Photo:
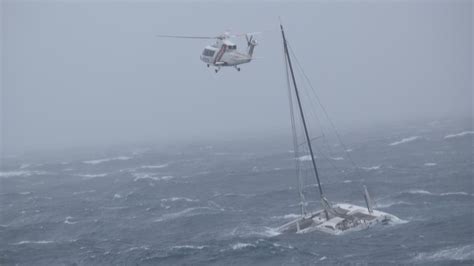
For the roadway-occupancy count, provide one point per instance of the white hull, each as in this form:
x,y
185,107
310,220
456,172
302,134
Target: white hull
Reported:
x,y
343,218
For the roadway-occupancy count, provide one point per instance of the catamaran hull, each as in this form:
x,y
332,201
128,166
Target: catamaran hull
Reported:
x,y
342,218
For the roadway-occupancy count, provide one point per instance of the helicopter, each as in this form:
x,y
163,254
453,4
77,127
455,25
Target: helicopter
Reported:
x,y
223,52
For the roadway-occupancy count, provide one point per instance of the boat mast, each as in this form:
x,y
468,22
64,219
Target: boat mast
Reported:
x,y
308,140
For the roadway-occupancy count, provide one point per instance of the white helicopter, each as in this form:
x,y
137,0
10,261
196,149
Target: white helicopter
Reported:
x,y
223,52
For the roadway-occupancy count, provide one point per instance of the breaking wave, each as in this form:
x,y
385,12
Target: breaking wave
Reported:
x,y
154,166
90,176
430,164
377,167
304,158
453,253
25,242
287,216
188,247
139,176
242,245
184,213
462,134
179,199
119,158
405,140
384,205
20,173
425,192
68,220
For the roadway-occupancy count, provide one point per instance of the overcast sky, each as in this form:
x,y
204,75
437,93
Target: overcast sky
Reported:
x,y
86,73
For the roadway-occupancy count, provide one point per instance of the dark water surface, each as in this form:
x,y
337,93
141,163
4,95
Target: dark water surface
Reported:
x,y
220,203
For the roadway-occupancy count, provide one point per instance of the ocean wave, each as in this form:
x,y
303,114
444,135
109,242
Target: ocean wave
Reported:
x,y
287,216
90,176
241,246
25,242
153,166
425,192
459,253
336,158
184,213
384,205
68,220
405,140
188,247
250,231
429,164
20,173
83,192
98,161
139,176
304,158
462,134
144,247
376,167
179,199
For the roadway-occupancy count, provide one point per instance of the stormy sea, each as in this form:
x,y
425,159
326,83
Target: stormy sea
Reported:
x,y
218,203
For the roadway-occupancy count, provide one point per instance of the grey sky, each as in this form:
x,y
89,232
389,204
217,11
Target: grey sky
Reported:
x,y
85,73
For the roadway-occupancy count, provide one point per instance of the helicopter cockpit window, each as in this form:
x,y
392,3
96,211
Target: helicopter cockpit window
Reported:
x,y
232,47
208,52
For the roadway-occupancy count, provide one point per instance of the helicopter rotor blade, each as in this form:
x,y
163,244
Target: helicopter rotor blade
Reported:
x,y
186,37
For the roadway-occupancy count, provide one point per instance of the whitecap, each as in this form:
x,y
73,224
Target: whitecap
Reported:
x,y
384,205
33,242
68,220
304,158
424,192
139,176
462,134
405,140
376,167
119,158
242,245
188,247
154,166
90,176
117,196
179,199
458,253
430,164
184,213
336,158
347,181
287,216
20,173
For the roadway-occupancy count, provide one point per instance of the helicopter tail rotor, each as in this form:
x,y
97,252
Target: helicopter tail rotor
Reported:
x,y
251,43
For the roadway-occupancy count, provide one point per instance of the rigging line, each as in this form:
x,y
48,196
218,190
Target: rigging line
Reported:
x,y
324,109
314,112
295,142
323,135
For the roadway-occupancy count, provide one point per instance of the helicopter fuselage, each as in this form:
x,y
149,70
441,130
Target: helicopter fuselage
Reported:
x,y
225,53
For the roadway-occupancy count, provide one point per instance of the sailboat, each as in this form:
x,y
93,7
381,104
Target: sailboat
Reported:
x,y
332,218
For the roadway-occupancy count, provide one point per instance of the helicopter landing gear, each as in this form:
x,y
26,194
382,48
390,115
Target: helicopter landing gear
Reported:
x,y
238,68
207,65
217,69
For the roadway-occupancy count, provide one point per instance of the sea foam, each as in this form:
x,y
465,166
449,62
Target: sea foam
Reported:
x,y
405,140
